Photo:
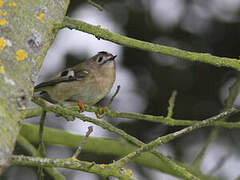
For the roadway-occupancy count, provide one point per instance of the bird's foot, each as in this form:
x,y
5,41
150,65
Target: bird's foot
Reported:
x,y
81,106
101,112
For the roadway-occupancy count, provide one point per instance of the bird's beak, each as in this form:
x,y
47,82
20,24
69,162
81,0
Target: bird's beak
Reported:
x,y
112,58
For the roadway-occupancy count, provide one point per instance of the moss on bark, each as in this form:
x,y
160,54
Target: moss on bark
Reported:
x,y
27,31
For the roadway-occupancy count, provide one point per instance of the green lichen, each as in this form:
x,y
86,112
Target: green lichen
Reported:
x,y
35,38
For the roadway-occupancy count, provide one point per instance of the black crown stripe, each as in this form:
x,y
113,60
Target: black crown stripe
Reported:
x,y
105,52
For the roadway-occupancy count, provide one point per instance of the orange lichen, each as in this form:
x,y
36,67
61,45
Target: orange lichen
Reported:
x,y
102,165
2,71
2,43
21,55
128,171
3,13
1,2
12,4
41,16
3,21
75,159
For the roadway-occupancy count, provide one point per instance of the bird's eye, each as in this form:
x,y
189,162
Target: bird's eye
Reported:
x,y
64,73
100,59
70,77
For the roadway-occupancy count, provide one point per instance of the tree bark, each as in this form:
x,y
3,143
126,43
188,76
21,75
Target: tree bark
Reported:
x,y
27,29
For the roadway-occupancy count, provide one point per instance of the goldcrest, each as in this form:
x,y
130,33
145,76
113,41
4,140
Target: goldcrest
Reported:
x,y
88,82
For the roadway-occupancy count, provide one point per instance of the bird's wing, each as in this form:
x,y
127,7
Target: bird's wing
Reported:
x,y
71,74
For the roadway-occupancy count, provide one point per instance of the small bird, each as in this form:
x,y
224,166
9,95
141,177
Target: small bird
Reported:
x,y
87,82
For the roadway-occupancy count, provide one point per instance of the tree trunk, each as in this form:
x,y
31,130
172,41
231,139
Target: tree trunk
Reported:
x,y
26,33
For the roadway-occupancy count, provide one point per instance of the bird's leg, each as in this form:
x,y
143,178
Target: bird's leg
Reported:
x,y
101,113
81,106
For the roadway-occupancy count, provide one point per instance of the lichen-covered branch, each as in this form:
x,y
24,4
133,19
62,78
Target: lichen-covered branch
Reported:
x,y
102,170
168,121
138,116
164,139
31,150
102,33
66,112
26,33
21,55
115,147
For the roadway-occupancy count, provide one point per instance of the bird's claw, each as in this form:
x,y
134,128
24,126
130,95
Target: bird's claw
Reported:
x,y
81,106
101,113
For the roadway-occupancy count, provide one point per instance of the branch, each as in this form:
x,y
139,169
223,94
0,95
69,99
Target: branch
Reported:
x,y
70,164
79,149
41,147
168,121
115,147
171,103
164,139
233,92
22,53
95,5
28,113
181,171
147,46
220,163
25,144
113,96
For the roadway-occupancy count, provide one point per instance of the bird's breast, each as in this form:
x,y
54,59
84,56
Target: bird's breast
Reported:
x,y
105,79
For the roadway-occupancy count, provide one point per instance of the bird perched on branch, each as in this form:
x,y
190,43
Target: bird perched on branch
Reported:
x,y
87,82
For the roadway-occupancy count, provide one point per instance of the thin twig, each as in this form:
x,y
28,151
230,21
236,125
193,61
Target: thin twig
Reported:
x,y
101,111
220,163
164,139
233,92
79,149
99,7
171,103
113,96
41,147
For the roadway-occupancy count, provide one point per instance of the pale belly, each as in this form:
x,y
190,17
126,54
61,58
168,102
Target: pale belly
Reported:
x,y
75,91
89,90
